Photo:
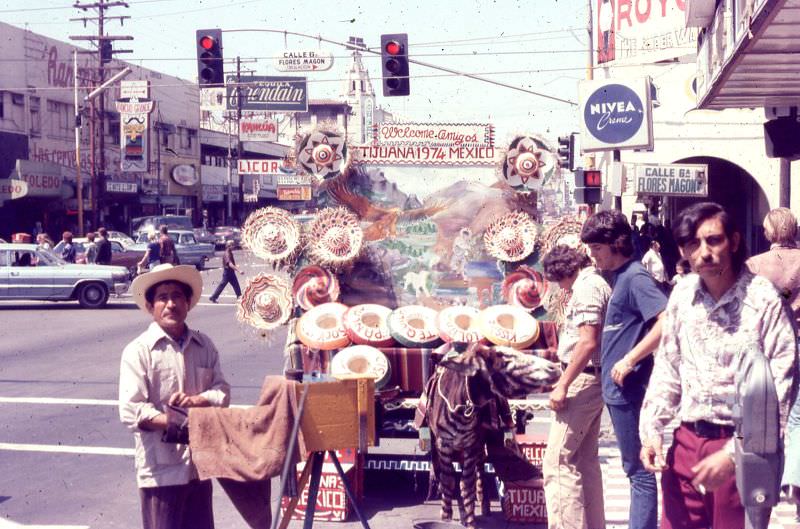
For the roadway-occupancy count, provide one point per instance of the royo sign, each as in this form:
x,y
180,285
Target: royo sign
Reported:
x,y
616,115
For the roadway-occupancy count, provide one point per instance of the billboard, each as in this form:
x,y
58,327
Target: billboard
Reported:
x,y
642,31
271,93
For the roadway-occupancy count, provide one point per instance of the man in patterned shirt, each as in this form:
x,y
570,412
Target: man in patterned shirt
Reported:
x,y
710,316
573,485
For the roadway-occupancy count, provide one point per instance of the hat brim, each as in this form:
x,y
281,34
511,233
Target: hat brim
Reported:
x,y
186,274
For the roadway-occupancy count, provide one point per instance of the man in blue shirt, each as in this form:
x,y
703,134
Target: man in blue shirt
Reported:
x,y
631,332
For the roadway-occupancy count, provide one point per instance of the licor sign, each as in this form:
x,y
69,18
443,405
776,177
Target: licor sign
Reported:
x,y
616,114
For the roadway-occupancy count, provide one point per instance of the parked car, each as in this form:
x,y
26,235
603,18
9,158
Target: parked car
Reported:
x,y
172,222
123,238
29,272
120,256
223,234
189,250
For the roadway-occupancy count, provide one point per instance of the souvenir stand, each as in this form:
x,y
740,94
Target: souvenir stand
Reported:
x,y
386,271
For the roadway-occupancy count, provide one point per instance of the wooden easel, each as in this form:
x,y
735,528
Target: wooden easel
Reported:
x,y
333,416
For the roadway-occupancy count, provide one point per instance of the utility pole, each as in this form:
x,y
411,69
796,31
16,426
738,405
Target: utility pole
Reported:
x,y
105,52
238,136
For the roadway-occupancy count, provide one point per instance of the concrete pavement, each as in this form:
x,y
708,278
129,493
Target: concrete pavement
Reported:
x,y
67,461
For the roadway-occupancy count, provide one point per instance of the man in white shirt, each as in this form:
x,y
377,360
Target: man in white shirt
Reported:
x,y
652,263
163,371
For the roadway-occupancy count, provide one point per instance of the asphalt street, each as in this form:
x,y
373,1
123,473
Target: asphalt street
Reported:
x,y
66,459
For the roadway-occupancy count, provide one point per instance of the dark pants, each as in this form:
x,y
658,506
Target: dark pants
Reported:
x,y
178,506
228,276
684,506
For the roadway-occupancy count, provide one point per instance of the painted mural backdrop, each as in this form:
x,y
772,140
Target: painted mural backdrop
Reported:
x,y
423,230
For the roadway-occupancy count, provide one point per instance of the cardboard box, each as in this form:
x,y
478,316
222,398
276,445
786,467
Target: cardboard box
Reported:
x,y
524,503
339,414
332,504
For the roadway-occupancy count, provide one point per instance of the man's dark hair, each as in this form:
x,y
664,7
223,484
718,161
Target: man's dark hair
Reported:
x,y
609,227
90,236
564,261
163,229
150,293
67,236
690,219
103,232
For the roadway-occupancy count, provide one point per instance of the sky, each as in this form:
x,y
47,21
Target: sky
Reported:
x,y
539,45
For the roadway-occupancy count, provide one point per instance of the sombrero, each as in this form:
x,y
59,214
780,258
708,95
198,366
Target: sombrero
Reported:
x,y
362,360
508,325
524,287
313,286
511,237
366,324
459,324
322,154
271,233
322,327
334,237
166,272
414,326
266,302
566,231
526,164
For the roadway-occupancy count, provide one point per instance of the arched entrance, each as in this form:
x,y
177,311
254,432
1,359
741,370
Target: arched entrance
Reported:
x,y
737,191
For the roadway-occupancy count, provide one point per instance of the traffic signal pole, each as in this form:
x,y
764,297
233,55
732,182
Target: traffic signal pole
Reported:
x,y
414,61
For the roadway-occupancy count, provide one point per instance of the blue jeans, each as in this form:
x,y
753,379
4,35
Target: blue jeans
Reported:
x,y
644,491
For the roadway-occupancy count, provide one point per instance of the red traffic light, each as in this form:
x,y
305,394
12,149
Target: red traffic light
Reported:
x,y
207,42
592,178
393,48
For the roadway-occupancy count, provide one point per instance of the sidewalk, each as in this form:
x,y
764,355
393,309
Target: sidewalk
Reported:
x,y
400,509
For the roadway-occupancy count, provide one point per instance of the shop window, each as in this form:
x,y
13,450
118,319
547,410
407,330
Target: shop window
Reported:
x,y
191,138
18,99
36,117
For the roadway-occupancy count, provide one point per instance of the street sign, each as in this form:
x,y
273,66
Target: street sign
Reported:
x,y
685,180
134,89
303,61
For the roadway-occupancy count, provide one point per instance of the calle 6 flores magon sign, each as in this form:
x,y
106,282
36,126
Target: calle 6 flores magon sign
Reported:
x,y
616,114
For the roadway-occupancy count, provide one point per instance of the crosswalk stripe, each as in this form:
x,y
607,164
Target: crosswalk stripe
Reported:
x,y
68,449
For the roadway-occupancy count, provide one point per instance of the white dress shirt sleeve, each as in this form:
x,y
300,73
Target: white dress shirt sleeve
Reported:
x,y
134,398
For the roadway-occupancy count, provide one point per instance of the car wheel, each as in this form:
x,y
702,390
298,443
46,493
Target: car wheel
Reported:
x,y
132,270
93,295
201,264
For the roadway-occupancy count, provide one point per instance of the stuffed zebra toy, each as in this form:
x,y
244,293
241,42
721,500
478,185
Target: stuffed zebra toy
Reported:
x,y
463,387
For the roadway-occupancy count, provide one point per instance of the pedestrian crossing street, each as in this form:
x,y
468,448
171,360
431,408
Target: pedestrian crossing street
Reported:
x,y
617,495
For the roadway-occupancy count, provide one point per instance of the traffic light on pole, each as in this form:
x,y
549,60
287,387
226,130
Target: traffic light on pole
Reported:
x,y
588,186
394,61
210,68
566,151
106,51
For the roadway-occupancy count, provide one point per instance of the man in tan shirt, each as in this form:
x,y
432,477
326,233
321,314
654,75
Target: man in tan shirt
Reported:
x,y
163,371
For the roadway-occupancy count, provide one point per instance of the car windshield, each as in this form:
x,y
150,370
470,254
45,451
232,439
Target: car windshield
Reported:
x,y
174,222
47,257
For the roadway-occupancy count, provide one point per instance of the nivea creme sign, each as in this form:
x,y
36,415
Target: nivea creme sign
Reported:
x,y
616,115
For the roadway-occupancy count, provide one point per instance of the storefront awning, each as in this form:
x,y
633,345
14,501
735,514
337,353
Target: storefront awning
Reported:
x,y
749,58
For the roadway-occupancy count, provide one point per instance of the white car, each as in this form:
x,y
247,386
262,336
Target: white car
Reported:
x,y
30,272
